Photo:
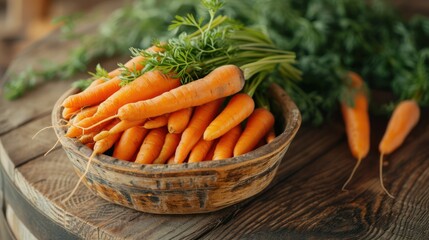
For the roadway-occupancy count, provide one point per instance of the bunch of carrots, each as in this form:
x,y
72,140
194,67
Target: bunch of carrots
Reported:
x,y
356,117
155,119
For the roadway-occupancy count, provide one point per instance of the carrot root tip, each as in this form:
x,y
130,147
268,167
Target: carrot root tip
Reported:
x,y
52,148
351,175
381,177
80,179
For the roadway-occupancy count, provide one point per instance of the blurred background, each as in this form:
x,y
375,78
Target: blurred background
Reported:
x,y
24,21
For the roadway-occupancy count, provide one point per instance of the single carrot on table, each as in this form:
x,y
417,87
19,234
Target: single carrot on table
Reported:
x,y
356,120
405,116
221,82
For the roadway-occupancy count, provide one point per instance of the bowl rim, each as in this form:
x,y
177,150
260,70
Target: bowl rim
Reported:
x,y
292,121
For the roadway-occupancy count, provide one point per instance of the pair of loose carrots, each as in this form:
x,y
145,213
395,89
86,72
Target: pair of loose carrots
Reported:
x,y
357,124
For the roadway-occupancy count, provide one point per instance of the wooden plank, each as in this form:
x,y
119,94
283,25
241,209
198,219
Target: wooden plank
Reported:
x,y
20,231
310,203
20,145
47,180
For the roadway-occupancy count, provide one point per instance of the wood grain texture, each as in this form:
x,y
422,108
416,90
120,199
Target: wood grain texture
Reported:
x,y
310,203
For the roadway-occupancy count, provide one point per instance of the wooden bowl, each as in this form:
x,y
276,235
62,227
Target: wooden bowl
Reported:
x,y
189,187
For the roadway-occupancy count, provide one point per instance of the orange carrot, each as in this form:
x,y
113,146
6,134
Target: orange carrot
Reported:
x,y
87,138
403,120
93,95
171,160
135,62
67,113
209,156
202,117
75,131
147,86
236,111
129,143
356,120
120,127
270,136
221,82
225,147
90,145
258,125
170,145
177,121
156,122
200,150
151,146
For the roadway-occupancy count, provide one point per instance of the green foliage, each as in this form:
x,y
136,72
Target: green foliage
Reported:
x,y
329,37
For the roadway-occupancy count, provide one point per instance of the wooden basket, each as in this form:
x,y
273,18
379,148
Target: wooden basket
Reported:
x,y
183,188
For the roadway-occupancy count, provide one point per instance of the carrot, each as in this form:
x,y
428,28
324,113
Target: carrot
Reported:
x,y
236,111
202,117
75,131
258,125
356,120
147,86
87,138
178,120
90,145
93,95
135,62
210,154
120,127
129,143
221,82
225,147
403,120
67,113
170,145
151,146
200,150
270,136
171,160
156,122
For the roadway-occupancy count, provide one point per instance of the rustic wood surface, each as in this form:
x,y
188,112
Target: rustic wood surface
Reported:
x,y
304,200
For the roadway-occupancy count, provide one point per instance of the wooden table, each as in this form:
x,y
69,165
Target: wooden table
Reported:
x,y
304,201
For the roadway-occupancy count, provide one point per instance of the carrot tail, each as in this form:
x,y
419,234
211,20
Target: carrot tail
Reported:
x,y
81,178
381,176
52,148
352,174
